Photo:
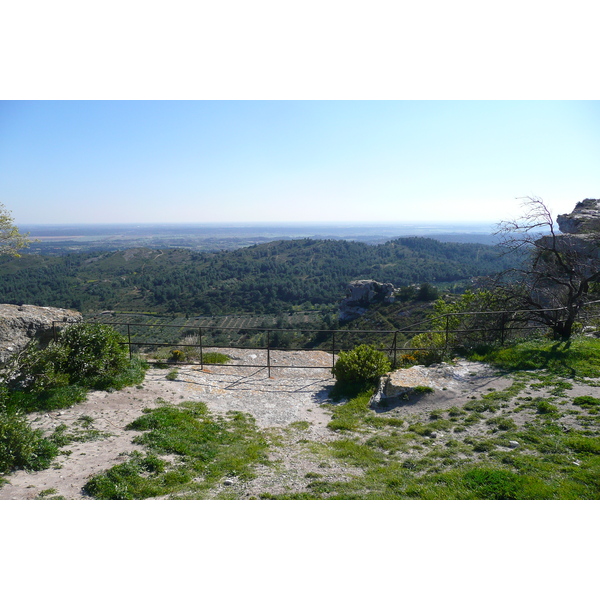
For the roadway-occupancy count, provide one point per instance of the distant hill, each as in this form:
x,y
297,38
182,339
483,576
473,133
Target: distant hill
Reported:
x,y
265,278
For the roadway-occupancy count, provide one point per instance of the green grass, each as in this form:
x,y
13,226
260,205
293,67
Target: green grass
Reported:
x,y
44,401
579,357
169,356
349,416
586,401
203,449
84,432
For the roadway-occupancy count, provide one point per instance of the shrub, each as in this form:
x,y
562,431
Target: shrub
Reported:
x,y
22,447
88,355
92,354
215,358
361,365
432,346
177,356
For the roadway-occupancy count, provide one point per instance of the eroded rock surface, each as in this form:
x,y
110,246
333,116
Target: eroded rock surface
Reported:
x,y
21,324
585,218
445,380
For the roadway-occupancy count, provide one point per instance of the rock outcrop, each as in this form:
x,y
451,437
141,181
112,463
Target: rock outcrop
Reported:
x,y
441,379
584,219
580,231
21,324
360,294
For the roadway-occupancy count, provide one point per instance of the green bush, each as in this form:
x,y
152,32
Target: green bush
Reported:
x,y
22,447
432,348
361,365
177,356
88,355
92,354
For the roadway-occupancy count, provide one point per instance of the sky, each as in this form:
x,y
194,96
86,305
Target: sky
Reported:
x,y
293,161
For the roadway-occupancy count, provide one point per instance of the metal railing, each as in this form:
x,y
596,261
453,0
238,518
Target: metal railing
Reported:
x,y
508,324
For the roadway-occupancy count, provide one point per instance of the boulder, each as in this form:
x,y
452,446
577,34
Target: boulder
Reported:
x,y
360,294
21,324
401,382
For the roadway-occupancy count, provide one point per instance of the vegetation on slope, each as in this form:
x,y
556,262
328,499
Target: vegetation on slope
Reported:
x,y
266,278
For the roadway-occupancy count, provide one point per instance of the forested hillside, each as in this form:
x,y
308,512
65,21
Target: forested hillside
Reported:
x,y
266,278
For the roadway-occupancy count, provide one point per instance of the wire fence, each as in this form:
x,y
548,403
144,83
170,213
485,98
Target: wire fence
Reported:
x,y
196,344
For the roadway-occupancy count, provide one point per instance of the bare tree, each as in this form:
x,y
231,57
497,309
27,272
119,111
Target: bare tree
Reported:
x,y
556,272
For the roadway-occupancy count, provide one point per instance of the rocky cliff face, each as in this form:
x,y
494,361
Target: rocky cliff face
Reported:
x,y
581,234
360,294
21,324
584,219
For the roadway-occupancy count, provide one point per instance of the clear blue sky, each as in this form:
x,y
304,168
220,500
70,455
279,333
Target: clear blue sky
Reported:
x,y
297,161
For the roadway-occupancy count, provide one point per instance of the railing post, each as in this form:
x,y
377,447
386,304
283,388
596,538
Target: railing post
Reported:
x,y
129,340
395,347
201,352
447,331
502,333
269,353
333,349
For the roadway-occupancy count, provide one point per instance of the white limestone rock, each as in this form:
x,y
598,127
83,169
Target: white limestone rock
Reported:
x,y
21,324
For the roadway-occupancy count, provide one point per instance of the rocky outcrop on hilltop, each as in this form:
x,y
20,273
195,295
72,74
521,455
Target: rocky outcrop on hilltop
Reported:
x,y
21,324
360,294
585,218
580,231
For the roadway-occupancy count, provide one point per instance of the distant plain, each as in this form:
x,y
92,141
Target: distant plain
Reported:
x,y
229,236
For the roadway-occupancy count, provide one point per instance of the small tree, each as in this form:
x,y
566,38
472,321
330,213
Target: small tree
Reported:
x,y
557,271
11,240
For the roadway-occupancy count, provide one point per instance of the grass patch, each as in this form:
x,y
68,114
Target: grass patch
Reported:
x,y
350,415
172,375
578,357
586,401
215,358
62,436
207,448
300,425
44,401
